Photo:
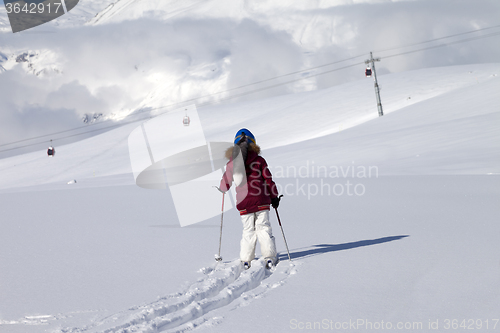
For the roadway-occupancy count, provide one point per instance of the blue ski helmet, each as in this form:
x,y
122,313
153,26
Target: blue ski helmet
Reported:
x,y
244,133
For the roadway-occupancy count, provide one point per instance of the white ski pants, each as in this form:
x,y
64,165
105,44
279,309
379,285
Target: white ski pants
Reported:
x,y
256,226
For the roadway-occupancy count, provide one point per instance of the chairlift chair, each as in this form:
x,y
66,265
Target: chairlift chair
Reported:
x,y
368,72
186,120
51,151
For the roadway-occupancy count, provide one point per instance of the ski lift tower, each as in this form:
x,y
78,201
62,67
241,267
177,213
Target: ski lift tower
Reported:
x,y
377,89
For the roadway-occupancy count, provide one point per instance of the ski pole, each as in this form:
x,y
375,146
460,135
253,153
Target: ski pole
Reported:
x,y
282,232
217,256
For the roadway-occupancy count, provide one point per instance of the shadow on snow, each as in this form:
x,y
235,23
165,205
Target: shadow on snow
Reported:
x,y
325,248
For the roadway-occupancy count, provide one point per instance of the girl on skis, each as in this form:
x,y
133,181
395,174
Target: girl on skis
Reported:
x,y
255,193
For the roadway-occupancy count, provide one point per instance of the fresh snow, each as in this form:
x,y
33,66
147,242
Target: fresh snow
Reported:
x,y
412,242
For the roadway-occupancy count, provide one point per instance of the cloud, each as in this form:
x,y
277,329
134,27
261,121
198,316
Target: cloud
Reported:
x,y
361,28
119,67
76,97
259,53
112,68
25,112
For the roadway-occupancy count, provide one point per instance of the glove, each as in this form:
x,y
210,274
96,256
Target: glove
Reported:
x,y
275,202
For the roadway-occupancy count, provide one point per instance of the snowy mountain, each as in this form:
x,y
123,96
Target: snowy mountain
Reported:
x,y
391,221
306,122
116,58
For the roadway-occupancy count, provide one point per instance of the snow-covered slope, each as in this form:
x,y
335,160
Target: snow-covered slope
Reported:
x,y
392,222
455,132
439,106
413,243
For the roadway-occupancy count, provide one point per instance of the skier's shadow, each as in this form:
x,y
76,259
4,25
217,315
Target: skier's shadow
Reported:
x,y
325,248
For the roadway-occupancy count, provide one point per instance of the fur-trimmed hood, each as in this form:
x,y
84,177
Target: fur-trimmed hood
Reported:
x,y
251,147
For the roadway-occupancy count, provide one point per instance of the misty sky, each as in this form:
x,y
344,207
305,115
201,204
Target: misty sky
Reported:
x,y
121,65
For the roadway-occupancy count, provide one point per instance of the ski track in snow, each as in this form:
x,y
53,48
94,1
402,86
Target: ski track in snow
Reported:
x,y
223,284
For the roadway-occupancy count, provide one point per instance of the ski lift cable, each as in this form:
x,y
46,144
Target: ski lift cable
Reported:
x,y
248,85
442,45
200,105
309,76
436,39
352,58
295,80
68,136
246,93
253,91
50,134
183,102
269,79
139,111
313,75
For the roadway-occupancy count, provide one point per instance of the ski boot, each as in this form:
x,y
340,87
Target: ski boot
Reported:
x,y
270,263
